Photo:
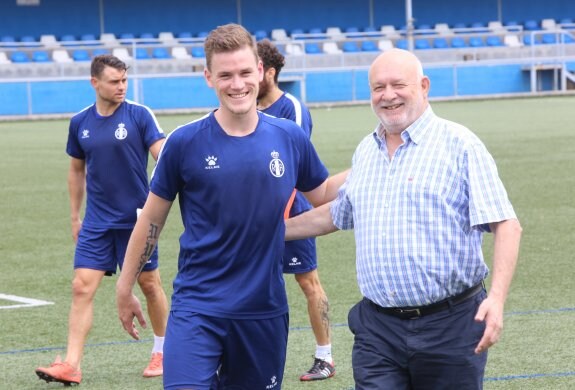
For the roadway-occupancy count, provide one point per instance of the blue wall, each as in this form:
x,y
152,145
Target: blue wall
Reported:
x,y
60,17
65,97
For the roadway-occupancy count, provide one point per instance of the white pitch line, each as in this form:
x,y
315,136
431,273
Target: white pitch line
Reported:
x,y
26,302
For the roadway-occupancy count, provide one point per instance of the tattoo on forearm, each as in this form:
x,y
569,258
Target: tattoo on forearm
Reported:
x,y
151,242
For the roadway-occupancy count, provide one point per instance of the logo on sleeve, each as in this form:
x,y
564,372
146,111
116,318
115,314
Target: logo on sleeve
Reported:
x,y
277,167
121,132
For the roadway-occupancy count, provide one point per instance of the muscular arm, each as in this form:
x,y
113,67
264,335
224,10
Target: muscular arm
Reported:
x,y
142,242
507,235
76,189
316,222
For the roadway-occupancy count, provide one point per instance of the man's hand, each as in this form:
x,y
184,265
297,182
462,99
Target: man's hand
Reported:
x,y
128,308
491,312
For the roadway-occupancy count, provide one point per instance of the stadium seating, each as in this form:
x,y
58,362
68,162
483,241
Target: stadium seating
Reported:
x,y
100,51
389,31
334,33
148,39
548,38
331,48
61,56
202,34
384,44
29,41
279,34
548,24
8,41
294,49
180,53
440,43
476,42
493,40
68,40
80,55
127,38
19,57
40,56
89,40
369,46
442,29
108,39
296,33
4,59
401,44
122,53
142,53
458,42
160,53
260,34
350,47
185,37
49,41
512,40
421,44
312,48
198,52
531,25
167,38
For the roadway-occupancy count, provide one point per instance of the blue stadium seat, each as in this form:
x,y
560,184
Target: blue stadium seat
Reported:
x,y
422,44
8,41
369,46
296,31
160,53
531,25
81,55
89,40
312,48
40,56
478,27
68,40
440,43
142,54
127,38
202,34
458,42
423,29
350,47
198,52
527,40
512,25
184,37
260,34
370,32
352,30
148,39
317,33
97,52
459,25
548,38
29,41
401,44
476,42
493,40
567,38
19,57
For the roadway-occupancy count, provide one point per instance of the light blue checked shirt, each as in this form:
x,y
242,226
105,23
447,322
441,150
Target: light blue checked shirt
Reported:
x,y
420,216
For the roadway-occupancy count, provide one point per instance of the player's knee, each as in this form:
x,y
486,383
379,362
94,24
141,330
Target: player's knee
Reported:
x,y
310,284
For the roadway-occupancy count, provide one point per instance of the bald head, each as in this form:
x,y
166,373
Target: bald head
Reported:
x,y
398,89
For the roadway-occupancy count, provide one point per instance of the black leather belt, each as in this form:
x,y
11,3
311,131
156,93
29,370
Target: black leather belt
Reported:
x,y
413,312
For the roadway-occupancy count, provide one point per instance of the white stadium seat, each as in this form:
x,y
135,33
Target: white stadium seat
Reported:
x,y
122,53
61,56
279,34
331,48
180,53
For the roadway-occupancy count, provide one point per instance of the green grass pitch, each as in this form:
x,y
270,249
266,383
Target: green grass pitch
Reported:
x,y
532,141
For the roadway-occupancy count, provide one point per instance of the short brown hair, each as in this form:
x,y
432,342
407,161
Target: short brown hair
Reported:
x,y
271,57
226,38
101,61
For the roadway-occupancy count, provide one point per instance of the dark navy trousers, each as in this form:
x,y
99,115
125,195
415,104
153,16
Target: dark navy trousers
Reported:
x,y
430,352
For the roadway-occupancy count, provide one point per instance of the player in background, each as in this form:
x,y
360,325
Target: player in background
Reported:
x,y
300,257
108,145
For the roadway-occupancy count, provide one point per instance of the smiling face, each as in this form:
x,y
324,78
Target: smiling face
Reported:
x,y
398,89
235,76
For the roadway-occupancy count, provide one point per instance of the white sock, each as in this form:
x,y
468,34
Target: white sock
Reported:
x,y
323,352
158,344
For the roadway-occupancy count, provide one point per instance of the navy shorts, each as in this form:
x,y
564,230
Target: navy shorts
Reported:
x,y
431,352
104,250
203,352
300,256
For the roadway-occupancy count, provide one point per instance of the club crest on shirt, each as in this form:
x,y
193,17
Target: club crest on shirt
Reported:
x,y
277,167
121,132
85,133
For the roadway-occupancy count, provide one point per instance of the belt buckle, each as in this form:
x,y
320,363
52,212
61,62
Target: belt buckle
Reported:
x,y
410,314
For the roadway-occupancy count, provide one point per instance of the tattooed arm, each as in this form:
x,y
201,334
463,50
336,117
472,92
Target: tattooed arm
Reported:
x,y
142,242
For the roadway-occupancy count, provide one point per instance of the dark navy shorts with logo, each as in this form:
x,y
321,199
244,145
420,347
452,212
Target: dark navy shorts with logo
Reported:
x,y
300,256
